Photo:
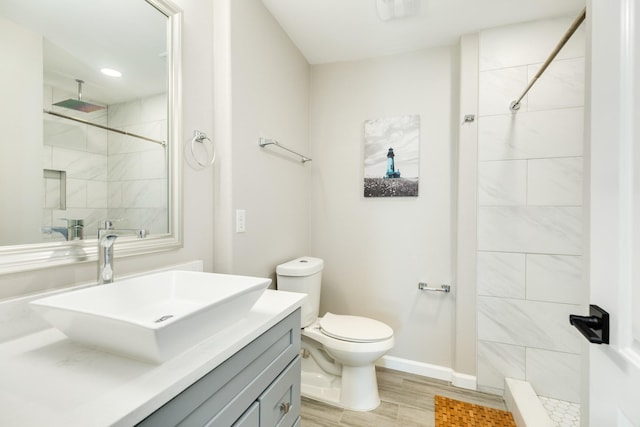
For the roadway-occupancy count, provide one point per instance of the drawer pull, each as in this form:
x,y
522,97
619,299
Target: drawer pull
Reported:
x,y
285,407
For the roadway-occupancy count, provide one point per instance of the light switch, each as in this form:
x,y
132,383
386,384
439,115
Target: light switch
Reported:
x,y
241,220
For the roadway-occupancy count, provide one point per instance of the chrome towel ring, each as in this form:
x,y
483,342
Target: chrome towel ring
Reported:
x,y
200,138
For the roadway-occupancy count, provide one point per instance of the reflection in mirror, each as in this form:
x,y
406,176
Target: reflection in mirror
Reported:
x,y
78,145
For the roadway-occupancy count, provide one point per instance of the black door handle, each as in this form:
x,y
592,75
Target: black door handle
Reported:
x,y
595,327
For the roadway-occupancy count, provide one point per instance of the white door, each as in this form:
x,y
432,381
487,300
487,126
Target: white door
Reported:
x,y
614,225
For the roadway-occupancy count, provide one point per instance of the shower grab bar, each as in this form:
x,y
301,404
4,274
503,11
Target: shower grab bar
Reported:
x,y
423,286
263,142
122,132
515,105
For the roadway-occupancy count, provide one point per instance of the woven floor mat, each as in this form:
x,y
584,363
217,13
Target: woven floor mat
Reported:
x,y
454,413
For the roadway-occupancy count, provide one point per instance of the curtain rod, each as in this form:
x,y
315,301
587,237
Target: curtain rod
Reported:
x,y
122,132
515,105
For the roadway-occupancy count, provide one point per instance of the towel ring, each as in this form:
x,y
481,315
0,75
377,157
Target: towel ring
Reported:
x,y
200,137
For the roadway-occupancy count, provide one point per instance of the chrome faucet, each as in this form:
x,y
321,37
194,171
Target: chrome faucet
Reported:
x,y
107,236
73,231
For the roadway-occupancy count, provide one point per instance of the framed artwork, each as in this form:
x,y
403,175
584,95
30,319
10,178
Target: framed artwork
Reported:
x,y
392,156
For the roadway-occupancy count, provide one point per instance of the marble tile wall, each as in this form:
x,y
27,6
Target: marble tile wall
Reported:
x,y
530,209
81,152
108,175
137,187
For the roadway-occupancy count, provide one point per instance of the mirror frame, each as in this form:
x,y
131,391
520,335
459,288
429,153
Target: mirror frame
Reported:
x,y
44,255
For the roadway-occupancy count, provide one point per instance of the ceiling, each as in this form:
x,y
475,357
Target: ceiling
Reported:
x,y
83,36
345,30
80,37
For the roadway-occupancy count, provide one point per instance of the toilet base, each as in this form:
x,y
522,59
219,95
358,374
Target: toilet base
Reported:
x,y
355,390
324,388
360,388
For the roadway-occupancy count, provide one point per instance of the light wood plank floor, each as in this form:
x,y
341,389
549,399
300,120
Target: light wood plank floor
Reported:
x,y
406,401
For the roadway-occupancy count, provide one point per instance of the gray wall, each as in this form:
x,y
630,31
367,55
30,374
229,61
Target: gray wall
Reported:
x,y
376,250
262,90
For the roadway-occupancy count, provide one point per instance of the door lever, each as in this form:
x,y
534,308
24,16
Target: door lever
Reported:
x,y
594,327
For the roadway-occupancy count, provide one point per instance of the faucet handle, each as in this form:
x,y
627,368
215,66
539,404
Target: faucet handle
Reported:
x,y
107,224
73,222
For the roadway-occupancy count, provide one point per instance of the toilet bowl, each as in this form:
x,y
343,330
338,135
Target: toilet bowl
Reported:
x,y
355,354
339,351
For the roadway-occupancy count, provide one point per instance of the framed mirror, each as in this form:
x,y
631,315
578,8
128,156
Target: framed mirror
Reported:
x,y
89,128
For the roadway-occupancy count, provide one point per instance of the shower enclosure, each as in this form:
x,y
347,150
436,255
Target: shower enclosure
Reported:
x,y
529,208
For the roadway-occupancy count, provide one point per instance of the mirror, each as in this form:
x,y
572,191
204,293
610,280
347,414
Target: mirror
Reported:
x,y
79,145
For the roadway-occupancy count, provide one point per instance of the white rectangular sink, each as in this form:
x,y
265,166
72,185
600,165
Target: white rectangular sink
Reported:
x,y
153,317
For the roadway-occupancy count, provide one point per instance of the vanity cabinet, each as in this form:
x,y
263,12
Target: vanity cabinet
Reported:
x,y
257,386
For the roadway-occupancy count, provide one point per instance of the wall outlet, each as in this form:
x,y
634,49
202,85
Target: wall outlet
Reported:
x,y
241,220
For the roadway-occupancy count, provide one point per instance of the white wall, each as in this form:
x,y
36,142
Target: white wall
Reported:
x,y
21,124
529,209
268,96
197,87
376,250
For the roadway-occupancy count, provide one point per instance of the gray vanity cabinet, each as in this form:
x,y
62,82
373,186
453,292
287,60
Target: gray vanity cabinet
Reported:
x,y
259,386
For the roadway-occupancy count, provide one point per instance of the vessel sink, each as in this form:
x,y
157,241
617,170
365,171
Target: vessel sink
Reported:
x,y
153,317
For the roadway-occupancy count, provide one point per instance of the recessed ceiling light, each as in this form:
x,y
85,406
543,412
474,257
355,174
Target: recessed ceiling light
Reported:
x,y
394,9
111,72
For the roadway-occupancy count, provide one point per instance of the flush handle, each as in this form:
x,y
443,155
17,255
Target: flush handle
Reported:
x,y
594,327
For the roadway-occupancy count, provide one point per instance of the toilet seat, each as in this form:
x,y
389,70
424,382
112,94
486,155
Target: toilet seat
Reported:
x,y
354,328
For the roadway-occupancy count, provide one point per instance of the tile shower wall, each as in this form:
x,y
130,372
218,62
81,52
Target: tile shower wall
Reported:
x,y
530,209
137,187
81,152
108,175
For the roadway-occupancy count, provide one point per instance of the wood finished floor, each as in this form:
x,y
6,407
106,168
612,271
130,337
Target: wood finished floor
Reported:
x,y
406,401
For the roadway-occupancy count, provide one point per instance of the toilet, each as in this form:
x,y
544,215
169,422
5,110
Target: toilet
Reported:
x,y
338,351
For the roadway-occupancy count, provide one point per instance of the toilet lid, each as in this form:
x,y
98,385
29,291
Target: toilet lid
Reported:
x,y
354,328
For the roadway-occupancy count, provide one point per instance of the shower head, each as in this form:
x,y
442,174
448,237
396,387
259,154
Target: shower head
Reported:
x,y
79,104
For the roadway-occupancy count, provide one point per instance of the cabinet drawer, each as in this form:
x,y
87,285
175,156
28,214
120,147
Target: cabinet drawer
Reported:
x,y
251,418
280,402
222,396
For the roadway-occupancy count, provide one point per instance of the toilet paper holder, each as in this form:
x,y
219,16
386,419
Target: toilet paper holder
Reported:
x,y
423,286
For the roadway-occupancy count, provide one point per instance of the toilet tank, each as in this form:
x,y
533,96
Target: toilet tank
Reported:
x,y
303,275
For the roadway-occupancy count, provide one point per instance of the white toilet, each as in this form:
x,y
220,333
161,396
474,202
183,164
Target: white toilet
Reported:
x,y
338,351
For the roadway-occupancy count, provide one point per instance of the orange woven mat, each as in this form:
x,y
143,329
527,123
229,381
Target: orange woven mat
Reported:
x,y
454,413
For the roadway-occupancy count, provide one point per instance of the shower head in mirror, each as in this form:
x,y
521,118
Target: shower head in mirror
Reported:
x,y
79,104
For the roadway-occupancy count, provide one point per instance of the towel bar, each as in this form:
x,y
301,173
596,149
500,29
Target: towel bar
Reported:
x,y
263,142
425,287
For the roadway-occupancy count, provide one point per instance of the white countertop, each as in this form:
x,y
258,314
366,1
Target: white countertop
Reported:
x,y
46,379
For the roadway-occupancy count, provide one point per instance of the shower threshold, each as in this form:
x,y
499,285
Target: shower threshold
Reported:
x,y
531,410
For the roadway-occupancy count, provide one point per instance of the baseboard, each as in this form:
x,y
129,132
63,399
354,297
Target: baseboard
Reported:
x,y
428,370
464,381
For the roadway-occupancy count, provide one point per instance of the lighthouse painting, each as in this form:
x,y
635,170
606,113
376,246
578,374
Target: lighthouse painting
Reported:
x,y
391,156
